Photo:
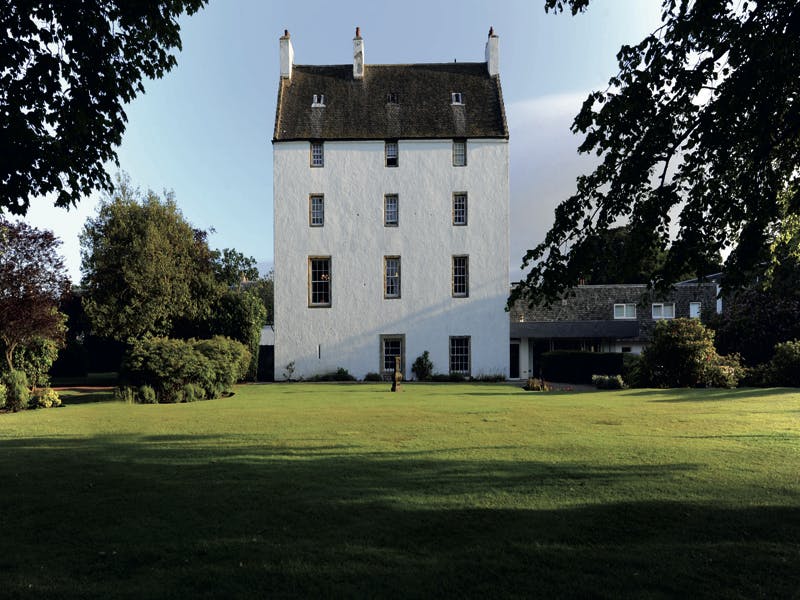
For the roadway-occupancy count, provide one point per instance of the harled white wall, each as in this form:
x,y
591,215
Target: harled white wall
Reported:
x,y
354,181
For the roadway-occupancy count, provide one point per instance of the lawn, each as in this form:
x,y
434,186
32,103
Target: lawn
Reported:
x,y
440,490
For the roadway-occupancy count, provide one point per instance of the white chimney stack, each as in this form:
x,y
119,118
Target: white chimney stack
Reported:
x,y
493,53
358,55
287,56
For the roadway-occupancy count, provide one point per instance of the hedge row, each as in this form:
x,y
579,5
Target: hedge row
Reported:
x,y
578,366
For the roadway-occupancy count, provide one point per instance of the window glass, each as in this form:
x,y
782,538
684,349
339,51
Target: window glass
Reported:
x,y
317,154
460,209
391,154
391,287
459,153
460,355
391,210
460,276
317,211
319,281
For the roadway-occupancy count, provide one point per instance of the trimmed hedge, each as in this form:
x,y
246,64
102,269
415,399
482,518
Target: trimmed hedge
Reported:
x,y
578,366
168,366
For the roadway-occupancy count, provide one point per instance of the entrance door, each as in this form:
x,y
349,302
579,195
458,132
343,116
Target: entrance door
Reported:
x,y
513,361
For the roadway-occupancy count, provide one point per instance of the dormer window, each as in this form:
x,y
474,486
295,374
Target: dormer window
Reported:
x,y
391,98
456,98
318,101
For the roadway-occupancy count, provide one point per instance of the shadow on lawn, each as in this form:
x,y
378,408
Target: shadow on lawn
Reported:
x,y
677,395
176,516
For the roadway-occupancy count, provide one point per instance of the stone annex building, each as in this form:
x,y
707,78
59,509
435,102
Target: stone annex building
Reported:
x,y
391,210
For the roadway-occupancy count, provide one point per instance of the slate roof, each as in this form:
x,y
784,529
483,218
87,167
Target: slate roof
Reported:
x,y
576,329
358,109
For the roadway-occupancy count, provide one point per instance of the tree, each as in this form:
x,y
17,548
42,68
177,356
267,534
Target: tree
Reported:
x,y
701,129
232,268
32,282
264,288
65,72
144,267
240,315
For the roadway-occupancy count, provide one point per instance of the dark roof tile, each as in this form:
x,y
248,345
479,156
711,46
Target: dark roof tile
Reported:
x,y
358,109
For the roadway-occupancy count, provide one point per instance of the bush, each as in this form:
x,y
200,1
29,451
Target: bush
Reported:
x,y
724,371
578,366
785,364
125,394
35,359
17,392
168,365
757,376
193,393
45,398
632,370
3,394
339,374
422,367
147,395
682,354
608,382
535,384
373,377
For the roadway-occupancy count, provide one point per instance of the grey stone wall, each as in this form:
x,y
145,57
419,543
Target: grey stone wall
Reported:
x,y
596,303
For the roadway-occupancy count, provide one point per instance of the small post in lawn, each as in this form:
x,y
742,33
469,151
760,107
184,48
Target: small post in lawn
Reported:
x,y
397,375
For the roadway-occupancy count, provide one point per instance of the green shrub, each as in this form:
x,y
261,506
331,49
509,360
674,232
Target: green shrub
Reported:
x,y
578,366
724,371
168,365
785,364
757,376
45,398
632,370
339,374
192,393
373,377
682,354
147,395
229,361
3,394
125,394
422,367
35,359
17,392
451,377
608,382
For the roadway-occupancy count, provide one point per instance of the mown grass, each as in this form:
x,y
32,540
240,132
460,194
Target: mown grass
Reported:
x,y
441,490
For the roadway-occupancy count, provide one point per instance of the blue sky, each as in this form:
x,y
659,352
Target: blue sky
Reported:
x,y
205,130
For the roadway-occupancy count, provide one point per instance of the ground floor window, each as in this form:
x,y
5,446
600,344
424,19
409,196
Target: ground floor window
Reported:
x,y
392,346
460,355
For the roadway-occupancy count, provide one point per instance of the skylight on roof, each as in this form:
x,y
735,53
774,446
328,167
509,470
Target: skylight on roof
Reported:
x,y
391,98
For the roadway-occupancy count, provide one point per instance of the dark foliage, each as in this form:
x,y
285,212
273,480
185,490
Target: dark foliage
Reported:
x,y
66,71
753,321
702,120
33,281
578,366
